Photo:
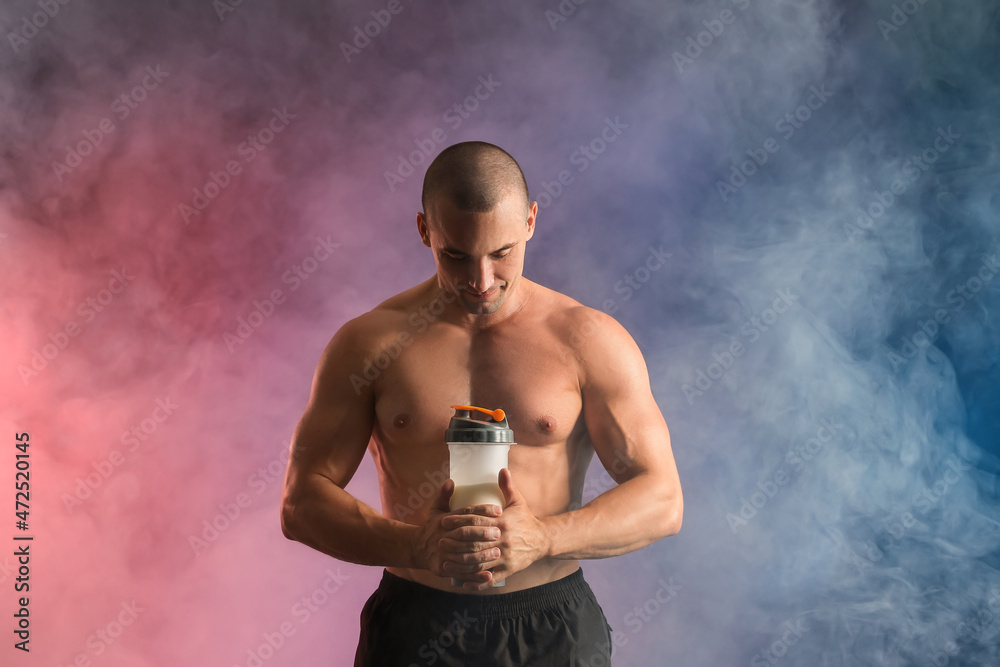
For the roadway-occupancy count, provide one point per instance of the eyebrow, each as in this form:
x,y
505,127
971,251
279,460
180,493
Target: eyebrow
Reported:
x,y
456,251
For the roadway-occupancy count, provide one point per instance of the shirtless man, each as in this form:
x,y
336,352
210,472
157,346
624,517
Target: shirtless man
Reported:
x,y
571,381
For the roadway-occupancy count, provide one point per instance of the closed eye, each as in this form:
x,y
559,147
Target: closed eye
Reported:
x,y
461,258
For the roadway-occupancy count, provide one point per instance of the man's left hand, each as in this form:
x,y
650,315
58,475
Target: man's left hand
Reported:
x,y
522,541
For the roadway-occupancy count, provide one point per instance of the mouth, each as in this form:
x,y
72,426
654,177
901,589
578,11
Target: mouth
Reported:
x,y
481,297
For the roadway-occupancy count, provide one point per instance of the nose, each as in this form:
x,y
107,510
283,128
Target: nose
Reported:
x,y
482,279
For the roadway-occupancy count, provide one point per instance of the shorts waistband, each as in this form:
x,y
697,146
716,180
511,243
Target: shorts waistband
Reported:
x,y
570,588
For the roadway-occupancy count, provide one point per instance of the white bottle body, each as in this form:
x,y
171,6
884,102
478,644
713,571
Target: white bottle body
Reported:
x,y
474,468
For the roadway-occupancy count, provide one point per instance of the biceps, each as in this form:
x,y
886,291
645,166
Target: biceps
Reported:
x,y
625,424
333,434
629,434
330,440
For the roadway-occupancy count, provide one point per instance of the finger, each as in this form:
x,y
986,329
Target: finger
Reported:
x,y
456,521
483,510
462,547
505,480
468,570
482,584
472,562
474,577
470,534
443,501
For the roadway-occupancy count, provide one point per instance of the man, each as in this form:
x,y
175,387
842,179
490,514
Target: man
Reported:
x,y
571,381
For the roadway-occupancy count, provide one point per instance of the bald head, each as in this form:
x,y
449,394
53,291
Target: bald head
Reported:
x,y
475,176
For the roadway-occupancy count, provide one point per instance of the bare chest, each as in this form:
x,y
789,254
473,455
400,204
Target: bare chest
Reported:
x,y
523,371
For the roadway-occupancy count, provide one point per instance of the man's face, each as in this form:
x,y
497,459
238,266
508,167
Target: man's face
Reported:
x,y
479,256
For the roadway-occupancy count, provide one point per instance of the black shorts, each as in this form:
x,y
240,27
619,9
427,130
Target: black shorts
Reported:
x,y
559,624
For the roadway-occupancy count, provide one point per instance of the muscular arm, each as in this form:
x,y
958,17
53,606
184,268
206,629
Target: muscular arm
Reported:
x,y
631,440
327,448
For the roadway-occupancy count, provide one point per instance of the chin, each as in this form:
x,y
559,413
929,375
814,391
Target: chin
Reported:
x,y
484,308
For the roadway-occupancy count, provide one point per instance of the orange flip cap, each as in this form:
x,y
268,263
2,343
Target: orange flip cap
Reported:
x,y
497,414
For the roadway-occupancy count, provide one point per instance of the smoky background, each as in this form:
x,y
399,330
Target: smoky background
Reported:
x,y
163,399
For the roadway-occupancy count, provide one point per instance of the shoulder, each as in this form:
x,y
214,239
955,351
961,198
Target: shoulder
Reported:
x,y
365,335
592,337
569,317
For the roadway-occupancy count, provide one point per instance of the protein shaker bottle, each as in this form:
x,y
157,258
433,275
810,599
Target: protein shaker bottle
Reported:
x,y
477,451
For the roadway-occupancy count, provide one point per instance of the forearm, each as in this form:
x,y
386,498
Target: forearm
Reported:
x,y
329,519
629,516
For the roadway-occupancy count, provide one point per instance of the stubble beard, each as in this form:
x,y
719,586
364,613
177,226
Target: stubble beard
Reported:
x,y
488,307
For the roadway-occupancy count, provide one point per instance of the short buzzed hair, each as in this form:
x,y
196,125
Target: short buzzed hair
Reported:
x,y
475,176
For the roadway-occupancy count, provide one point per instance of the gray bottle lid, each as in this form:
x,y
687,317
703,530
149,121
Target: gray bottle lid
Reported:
x,y
463,428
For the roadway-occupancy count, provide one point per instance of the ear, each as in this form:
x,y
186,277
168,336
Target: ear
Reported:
x,y
532,213
422,228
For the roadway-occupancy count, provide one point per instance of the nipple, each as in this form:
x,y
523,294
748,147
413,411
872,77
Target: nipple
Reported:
x,y
547,424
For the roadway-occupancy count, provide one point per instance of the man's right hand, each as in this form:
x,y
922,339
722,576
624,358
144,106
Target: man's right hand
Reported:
x,y
466,551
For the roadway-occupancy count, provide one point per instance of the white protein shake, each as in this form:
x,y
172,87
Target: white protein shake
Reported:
x,y
477,451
